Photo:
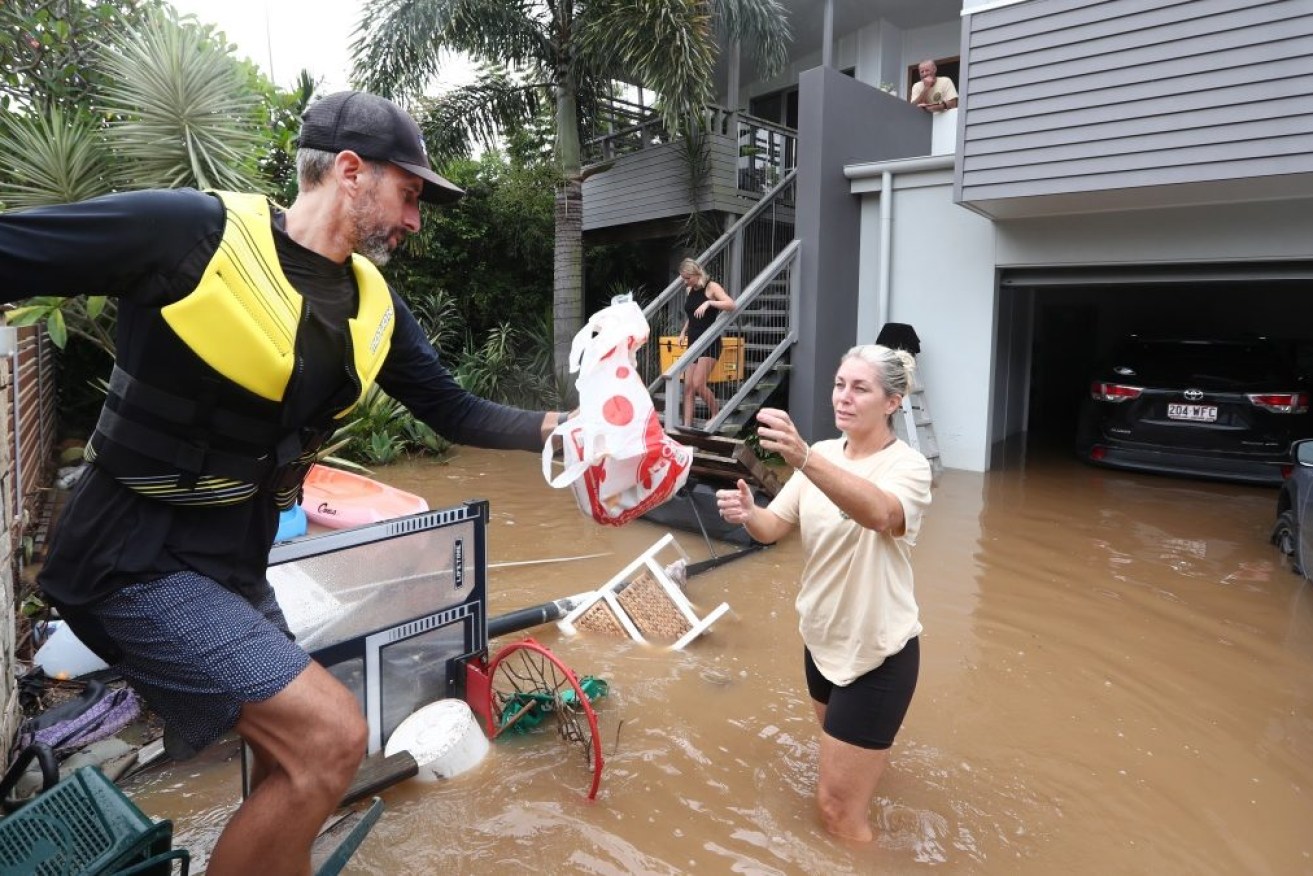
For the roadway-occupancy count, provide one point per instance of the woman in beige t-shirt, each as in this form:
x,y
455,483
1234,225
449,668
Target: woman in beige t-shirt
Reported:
x,y
858,500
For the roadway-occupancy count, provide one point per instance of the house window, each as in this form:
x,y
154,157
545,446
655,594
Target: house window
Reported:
x,y
945,67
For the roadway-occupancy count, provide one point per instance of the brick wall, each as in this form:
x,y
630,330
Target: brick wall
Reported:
x,y
27,437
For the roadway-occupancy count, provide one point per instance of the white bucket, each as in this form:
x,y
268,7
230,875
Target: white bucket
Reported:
x,y
443,737
64,656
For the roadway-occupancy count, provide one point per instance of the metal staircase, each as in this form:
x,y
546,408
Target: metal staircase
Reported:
x,y
756,261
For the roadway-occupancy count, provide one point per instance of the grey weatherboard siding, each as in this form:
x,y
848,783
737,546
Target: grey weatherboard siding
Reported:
x,y
1084,104
653,184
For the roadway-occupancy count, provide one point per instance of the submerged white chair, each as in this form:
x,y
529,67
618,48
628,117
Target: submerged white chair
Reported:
x,y
643,603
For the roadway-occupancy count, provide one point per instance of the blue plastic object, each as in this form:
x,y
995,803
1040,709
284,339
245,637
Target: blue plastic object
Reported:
x,y
291,524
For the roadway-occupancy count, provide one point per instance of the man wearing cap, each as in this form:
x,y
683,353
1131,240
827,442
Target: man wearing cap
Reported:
x,y
246,334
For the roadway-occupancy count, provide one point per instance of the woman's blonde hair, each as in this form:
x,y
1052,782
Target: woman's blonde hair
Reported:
x,y
690,266
894,368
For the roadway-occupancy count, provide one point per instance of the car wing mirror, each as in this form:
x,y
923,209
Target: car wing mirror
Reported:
x,y
1304,452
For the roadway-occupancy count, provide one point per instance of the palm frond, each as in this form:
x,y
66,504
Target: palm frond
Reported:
x,y
53,158
399,44
668,45
183,115
476,113
761,27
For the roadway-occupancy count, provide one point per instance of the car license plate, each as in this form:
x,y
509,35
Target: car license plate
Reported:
x,y
1194,413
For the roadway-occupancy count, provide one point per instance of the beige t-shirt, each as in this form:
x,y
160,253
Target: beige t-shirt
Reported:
x,y
855,603
943,90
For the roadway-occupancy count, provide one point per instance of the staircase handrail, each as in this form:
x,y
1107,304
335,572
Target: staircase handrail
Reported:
x,y
719,244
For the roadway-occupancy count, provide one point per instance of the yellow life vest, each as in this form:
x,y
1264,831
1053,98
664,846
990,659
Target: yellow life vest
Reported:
x,y
244,290
163,436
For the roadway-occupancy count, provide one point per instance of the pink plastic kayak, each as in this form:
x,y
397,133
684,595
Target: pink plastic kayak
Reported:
x,y
339,499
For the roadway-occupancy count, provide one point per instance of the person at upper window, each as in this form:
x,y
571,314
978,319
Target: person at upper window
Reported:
x,y
933,93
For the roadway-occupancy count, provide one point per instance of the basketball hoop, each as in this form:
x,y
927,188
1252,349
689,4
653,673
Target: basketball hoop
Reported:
x,y
528,685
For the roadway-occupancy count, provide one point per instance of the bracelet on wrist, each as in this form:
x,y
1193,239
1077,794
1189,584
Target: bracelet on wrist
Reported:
x,y
806,458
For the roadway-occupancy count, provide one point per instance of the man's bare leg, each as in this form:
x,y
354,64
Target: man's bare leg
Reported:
x,y
308,741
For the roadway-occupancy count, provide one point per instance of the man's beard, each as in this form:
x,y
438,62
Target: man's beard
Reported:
x,y
372,237
373,245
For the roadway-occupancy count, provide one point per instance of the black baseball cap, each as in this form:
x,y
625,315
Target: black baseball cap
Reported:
x,y
373,127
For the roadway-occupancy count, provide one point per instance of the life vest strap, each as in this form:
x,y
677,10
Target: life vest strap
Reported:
x,y
191,412
189,459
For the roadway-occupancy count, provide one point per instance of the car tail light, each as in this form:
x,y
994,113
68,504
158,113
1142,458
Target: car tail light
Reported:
x,y
1287,471
1098,452
1280,402
1114,392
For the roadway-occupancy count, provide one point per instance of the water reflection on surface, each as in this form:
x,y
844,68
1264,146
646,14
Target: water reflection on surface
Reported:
x,y
1115,678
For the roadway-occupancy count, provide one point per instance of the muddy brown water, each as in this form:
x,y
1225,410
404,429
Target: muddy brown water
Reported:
x,y
1117,677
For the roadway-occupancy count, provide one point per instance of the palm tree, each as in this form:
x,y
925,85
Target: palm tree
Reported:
x,y
562,54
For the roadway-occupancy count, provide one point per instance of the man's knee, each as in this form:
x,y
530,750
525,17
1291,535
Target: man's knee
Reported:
x,y
312,727
339,734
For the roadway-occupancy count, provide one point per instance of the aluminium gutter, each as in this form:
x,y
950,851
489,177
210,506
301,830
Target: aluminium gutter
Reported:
x,y
877,169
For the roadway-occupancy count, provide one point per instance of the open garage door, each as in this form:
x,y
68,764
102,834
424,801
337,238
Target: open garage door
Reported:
x,y
1056,323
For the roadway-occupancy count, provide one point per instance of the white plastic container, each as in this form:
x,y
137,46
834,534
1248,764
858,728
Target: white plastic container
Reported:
x,y
443,737
64,656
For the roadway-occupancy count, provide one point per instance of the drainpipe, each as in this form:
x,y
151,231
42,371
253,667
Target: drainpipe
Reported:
x,y
886,170
886,246
827,47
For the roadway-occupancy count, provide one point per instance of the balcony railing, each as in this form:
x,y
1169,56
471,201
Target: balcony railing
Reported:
x,y
767,150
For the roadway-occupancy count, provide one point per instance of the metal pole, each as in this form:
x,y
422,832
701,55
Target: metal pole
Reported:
x,y
827,47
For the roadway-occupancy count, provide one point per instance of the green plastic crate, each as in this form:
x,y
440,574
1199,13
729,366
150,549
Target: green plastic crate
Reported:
x,y
85,825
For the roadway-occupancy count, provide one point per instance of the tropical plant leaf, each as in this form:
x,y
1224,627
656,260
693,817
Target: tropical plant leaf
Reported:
x,y
55,158
57,328
476,113
28,315
400,45
182,112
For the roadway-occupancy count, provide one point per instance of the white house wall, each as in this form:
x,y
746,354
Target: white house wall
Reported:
x,y
942,284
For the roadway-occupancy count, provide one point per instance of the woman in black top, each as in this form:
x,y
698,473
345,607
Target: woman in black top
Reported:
x,y
706,298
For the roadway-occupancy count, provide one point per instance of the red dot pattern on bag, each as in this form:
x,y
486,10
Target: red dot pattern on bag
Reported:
x,y
618,410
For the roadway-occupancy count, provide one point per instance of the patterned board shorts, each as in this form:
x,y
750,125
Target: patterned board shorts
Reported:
x,y
196,652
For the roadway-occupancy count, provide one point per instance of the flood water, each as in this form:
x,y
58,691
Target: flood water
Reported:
x,y
1117,677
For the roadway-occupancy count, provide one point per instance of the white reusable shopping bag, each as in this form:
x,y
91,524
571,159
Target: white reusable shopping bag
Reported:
x,y
618,459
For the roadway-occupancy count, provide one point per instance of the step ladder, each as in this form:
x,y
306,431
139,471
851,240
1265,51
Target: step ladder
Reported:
x,y
917,428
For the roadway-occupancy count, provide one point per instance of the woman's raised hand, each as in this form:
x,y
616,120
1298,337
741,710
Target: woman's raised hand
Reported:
x,y
736,505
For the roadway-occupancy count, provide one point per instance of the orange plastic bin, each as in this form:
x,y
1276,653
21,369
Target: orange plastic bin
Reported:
x,y
728,367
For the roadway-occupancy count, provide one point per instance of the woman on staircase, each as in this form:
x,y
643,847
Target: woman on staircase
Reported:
x,y
706,298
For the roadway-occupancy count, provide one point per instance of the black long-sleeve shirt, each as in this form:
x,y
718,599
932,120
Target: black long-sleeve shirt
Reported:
x,y
149,249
